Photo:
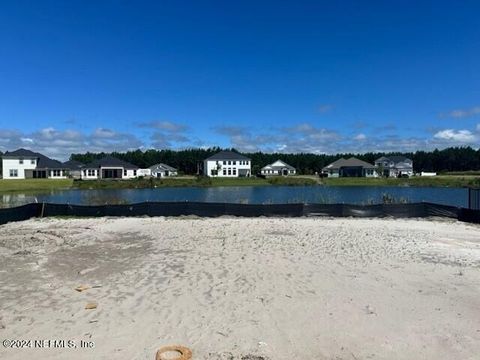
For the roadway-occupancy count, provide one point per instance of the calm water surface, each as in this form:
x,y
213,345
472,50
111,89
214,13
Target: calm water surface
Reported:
x,y
249,195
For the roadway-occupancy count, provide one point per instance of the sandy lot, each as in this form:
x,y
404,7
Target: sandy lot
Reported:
x,y
242,289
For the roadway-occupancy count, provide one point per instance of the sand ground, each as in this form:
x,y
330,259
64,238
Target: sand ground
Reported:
x,y
238,289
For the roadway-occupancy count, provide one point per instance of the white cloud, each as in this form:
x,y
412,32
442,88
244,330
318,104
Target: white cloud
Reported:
x,y
59,144
360,137
102,133
461,113
461,136
168,126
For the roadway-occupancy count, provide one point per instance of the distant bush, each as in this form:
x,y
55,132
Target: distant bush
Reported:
x,y
203,181
291,181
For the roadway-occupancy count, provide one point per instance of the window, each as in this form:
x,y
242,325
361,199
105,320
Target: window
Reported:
x,y
32,161
234,172
234,163
91,172
229,171
229,163
124,172
56,173
134,172
224,162
20,161
213,172
13,173
224,171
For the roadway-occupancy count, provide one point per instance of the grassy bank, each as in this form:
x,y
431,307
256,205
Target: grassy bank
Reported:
x,y
26,185
38,185
434,181
190,182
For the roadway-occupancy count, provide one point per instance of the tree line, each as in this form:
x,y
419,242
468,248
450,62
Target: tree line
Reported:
x,y
187,161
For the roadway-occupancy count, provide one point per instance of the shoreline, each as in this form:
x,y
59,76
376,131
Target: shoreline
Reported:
x,y
44,185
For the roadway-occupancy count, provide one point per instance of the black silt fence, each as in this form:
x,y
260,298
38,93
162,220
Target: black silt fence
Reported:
x,y
416,210
20,213
474,199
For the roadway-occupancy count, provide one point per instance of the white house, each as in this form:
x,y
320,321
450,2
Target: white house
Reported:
x,y
278,168
162,170
351,167
109,167
227,164
26,164
394,166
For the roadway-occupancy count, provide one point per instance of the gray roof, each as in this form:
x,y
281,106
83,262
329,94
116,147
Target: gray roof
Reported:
x,y
21,152
395,158
351,162
162,167
110,161
44,162
227,155
73,165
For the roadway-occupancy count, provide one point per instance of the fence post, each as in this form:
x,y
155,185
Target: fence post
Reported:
x,y
474,198
43,209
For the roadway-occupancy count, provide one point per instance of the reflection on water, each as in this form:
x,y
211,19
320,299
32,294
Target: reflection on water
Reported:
x,y
249,195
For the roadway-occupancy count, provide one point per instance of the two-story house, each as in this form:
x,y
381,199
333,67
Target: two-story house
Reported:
x,y
227,164
26,164
394,166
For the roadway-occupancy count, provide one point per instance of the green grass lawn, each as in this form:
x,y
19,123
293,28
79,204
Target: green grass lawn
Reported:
x,y
25,185
435,181
185,182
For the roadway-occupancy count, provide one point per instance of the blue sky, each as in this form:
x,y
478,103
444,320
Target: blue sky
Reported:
x,y
291,76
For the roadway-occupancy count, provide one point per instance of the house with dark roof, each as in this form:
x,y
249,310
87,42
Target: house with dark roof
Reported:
x,y
278,168
394,166
351,167
74,168
227,164
162,170
26,164
109,167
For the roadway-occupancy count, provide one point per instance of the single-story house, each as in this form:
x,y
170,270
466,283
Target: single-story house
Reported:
x,y
74,168
227,164
109,167
278,168
394,166
162,170
26,164
351,167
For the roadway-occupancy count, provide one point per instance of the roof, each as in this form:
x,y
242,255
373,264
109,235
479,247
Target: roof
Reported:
x,y
47,163
44,162
162,167
278,165
395,158
227,155
351,162
110,161
73,164
21,153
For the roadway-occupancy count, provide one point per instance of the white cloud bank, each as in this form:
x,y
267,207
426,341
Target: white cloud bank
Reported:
x,y
303,137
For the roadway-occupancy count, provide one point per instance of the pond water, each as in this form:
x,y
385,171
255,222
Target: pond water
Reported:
x,y
249,195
